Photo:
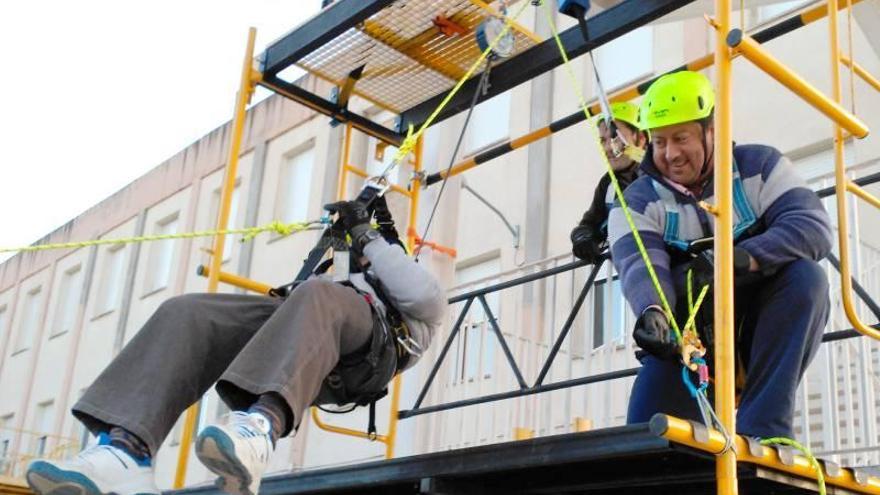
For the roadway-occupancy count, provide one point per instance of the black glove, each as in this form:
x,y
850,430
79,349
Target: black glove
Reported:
x,y
585,244
355,219
653,334
703,267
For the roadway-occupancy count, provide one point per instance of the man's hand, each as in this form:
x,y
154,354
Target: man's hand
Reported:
x,y
585,245
653,334
355,218
703,267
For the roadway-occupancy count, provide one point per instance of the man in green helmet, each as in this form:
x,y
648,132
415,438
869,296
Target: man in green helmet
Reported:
x,y
781,231
623,146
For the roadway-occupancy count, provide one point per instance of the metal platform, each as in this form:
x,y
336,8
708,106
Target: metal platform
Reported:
x,y
395,55
623,460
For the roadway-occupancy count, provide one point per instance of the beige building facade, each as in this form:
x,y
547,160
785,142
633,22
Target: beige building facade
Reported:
x,y
65,314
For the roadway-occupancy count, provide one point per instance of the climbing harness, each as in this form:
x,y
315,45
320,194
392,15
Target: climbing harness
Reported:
x,y
745,214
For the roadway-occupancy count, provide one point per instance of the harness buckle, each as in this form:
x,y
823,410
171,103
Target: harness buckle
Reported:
x,y
409,345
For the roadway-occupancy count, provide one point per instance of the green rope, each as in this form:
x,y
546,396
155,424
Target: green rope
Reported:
x,y
617,190
820,476
284,229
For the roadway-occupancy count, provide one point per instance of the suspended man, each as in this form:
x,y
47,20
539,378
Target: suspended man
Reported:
x,y
271,358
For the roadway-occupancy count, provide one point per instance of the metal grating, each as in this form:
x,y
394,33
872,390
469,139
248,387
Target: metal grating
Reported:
x,y
407,59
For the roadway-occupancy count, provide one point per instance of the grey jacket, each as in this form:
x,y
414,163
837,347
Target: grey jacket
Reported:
x,y
409,286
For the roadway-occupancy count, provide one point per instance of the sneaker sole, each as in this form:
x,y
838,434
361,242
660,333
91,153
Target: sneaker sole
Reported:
x,y
46,479
217,452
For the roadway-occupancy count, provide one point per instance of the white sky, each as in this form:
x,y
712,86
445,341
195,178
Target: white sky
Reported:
x,y
94,93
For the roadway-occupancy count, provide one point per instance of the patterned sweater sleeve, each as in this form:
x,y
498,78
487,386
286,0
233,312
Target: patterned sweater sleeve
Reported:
x,y
636,282
796,224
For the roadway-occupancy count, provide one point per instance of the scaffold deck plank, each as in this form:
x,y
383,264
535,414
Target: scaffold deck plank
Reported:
x,y
621,460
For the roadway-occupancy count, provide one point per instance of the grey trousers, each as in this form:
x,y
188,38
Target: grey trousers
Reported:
x,y
248,345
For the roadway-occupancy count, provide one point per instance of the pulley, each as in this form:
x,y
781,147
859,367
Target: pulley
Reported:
x,y
491,28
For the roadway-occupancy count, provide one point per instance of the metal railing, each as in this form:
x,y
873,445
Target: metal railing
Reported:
x,y
445,389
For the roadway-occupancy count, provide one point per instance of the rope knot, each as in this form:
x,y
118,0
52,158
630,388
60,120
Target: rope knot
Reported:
x,y
407,145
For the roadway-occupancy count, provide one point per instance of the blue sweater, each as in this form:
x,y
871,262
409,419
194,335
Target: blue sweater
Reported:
x,y
793,223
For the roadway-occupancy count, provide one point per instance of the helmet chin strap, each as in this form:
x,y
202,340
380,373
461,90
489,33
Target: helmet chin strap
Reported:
x,y
706,156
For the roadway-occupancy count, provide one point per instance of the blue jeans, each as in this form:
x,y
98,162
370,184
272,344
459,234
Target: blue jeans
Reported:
x,y
780,322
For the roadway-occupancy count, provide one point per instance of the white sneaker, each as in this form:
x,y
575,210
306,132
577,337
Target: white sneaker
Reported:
x,y
238,450
97,470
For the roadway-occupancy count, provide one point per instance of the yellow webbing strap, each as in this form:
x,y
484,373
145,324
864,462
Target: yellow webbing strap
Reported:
x,y
284,229
412,137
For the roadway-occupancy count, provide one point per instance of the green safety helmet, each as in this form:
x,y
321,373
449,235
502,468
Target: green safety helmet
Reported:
x,y
675,98
623,111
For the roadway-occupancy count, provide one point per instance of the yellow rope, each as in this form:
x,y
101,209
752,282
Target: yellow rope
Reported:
x,y
617,190
411,137
284,229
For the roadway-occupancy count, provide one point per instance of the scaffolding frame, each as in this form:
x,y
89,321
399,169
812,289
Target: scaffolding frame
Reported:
x,y
604,27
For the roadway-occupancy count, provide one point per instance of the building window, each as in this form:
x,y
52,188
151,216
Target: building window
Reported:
x,y
477,344
780,9
609,313
490,122
82,433
6,435
161,256
295,185
231,224
42,428
626,59
30,320
69,292
112,271
598,315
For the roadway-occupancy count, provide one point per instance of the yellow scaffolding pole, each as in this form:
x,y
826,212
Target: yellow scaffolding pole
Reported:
x,y
831,107
725,467
249,79
843,184
236,280
861,72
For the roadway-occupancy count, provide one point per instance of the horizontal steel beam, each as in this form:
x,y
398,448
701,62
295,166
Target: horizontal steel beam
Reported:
x,y
586,380
603,27
331,109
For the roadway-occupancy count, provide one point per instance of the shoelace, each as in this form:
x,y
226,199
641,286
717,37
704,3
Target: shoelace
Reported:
x,y
87,455
245,426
